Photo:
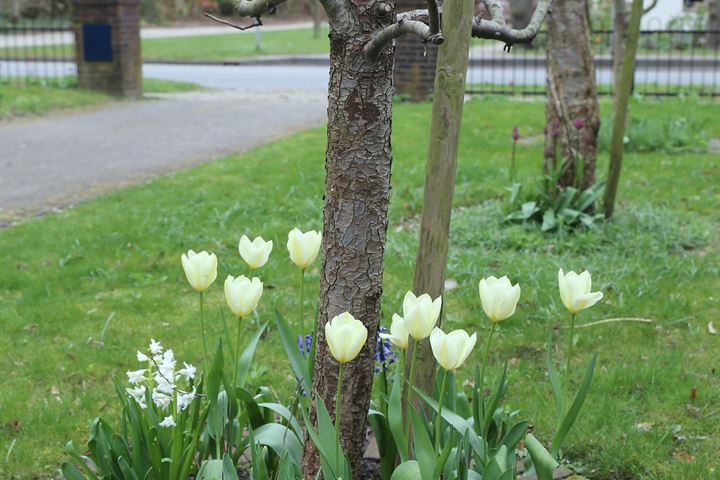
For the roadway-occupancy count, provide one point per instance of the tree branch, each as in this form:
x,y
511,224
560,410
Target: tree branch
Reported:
x,y
494,30
497,14
255,8
647,9
257,22
388,34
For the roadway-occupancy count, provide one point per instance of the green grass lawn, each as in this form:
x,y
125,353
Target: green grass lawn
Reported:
x,y
112,265
37,97
233,46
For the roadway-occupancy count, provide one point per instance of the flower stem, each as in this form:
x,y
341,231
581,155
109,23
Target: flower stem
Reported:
x,y
410,391
570,344
302,309
237,355
202,333
438,420
512,164
338,405
485,361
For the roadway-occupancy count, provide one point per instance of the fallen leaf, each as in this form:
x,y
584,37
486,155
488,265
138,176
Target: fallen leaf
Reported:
x,y
644,427
31,327
450,284
683,457
711,328
692,410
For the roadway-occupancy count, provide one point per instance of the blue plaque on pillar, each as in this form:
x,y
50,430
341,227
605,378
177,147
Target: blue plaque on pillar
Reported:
x,y
97,42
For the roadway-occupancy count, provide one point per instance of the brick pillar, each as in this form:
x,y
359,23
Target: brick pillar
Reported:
x,y
414,74
107,46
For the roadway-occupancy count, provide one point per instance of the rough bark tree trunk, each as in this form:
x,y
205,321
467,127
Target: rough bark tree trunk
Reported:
x,y
571,97
621,110
355,223
448,100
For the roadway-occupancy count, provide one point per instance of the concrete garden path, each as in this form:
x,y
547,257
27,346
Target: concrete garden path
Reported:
x,y
57,160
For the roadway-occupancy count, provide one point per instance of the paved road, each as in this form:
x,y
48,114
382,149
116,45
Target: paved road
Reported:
x,y
315,77
58,160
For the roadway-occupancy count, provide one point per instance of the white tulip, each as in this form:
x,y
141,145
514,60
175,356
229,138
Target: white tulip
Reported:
x,y
200,269
345,336
575,291
499,297
243,294
420,314
451,350
303,247
255,253
398,333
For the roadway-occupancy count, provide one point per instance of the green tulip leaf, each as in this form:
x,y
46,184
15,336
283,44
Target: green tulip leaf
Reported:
x,y
554,382
70,472
408,470
254,414
572,413
298,364
423,446
459,423
545,463
246,356
395,415
515,434
441,460
285,413
494,403
214,378
281,439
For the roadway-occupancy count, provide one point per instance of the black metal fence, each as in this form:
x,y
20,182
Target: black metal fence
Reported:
x,y
36,49
669,62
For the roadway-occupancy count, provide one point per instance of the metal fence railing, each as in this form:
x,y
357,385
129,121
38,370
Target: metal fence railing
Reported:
x,y
669,62
42,49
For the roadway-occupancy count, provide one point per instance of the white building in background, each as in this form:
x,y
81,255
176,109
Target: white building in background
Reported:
x,y
664,11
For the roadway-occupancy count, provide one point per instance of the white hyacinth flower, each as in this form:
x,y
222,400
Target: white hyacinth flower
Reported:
x,y
161,400
163,385
187,372
155,347
142,357
168,421
138,393
185,399
137,376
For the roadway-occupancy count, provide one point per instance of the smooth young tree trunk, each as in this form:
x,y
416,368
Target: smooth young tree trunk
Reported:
x,y
572,96
448,100
621,110
619,38
355,222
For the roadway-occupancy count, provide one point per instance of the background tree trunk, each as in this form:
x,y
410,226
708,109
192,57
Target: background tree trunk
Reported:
x,y
713,24
448,100
521,11
357,188
315,11
621,110
572,95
